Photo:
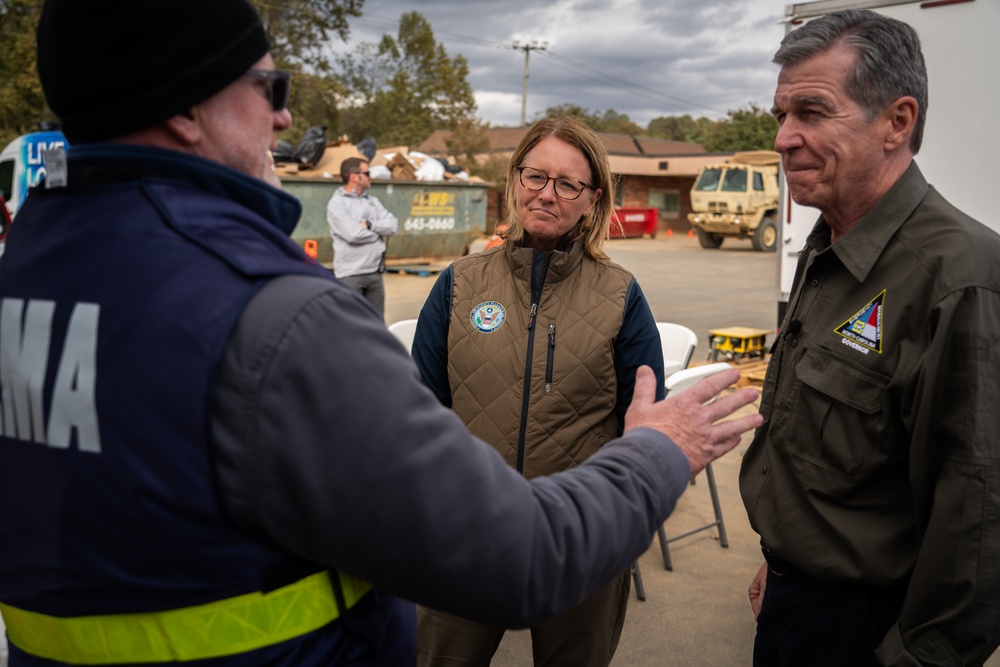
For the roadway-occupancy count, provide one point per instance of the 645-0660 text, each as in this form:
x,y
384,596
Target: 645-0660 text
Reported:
x,y
428,224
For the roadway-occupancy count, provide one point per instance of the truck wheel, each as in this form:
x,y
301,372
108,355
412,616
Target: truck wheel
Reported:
x,y
765,237
708,240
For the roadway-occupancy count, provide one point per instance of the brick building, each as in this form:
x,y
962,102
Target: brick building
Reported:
x,y
651,173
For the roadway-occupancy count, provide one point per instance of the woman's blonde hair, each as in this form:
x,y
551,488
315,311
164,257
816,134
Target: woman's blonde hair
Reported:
x,y
593,227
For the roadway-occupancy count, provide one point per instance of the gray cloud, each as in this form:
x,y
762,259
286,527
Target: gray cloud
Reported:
x,y
642,58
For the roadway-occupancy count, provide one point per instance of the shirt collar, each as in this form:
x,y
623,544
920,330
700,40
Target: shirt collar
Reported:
x,y
561,262
111,162
357,195
859,249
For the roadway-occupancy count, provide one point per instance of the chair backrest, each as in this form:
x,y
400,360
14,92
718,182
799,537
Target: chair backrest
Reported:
x,y
678,343
682,380
404,330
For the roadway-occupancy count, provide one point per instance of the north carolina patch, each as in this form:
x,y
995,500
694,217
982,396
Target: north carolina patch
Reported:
x,y
863,332
488,316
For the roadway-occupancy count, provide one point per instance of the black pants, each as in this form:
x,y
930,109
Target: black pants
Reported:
x,y
821,624
371,287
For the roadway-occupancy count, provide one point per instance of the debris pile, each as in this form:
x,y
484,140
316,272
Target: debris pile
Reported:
x,y
316,157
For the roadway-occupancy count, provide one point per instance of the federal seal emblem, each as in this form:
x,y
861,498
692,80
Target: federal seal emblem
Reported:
x,y
488,316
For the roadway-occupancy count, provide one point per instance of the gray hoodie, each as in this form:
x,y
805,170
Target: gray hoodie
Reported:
x,y
359,225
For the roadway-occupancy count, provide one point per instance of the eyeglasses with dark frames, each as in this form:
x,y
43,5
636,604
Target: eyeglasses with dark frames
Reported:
x,y
279,85
565,188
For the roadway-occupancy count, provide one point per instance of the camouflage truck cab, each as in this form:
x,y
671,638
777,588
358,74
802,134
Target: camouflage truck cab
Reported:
x,y
737,199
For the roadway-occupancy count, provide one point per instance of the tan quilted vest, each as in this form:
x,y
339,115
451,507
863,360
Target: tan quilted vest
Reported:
x,y
572,387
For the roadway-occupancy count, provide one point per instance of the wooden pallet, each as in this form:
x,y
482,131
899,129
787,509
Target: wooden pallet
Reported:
x,y
415,269
751,370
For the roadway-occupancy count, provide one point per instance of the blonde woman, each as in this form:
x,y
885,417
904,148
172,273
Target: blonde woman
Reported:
x,y
535,344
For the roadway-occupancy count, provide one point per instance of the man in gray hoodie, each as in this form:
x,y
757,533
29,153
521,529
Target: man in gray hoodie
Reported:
x,y
359,225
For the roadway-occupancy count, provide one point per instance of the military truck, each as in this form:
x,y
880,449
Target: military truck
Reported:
x,y
737,199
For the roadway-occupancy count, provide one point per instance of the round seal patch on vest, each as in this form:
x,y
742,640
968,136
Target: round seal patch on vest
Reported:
x,y
488,316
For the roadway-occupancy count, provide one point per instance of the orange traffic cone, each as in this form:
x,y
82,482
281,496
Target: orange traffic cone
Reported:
x,y
690,233
670,232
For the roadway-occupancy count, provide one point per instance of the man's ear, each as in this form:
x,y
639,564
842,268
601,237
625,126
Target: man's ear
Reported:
x,y
902,119
185,127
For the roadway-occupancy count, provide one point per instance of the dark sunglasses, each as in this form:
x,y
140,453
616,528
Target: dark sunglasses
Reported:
x,y
279,85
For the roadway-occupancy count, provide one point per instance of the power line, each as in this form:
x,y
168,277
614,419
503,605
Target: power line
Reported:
x,y
617,82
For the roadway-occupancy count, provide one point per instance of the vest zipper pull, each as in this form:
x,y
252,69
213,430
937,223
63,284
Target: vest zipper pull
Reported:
x,y
531,316
550,357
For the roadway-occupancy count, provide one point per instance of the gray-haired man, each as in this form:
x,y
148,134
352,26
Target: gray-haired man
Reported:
x,y
875,480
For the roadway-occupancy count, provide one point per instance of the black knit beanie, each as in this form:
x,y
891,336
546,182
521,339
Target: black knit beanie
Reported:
x,y
112,67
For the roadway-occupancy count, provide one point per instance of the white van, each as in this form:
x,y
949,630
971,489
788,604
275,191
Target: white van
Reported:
x,y
22,167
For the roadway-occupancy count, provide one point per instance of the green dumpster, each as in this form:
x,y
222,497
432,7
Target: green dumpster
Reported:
x,y
437,219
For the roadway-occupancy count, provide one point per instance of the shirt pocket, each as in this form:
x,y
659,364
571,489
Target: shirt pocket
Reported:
x,y
837,409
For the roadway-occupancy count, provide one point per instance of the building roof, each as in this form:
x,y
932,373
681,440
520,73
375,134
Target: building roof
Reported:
x,y
502,139
627,155
663,147
505,140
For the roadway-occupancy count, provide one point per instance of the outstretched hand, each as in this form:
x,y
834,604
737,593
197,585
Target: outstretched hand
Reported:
x,y
689,419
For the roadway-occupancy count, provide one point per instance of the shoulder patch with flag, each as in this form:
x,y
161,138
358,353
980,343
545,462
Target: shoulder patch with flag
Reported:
x,y
863,331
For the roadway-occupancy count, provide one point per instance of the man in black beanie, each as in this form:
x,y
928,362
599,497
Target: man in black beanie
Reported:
x,y
186,471
111,67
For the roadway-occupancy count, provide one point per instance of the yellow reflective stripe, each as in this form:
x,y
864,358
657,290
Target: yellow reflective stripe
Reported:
x,y
220,628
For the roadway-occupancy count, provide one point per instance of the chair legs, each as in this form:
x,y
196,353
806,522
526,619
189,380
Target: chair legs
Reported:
x,y
716,507
664,549
640,592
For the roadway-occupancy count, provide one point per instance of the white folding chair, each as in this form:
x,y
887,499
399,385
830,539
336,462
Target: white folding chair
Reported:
x,y
677,383
678,343
404,331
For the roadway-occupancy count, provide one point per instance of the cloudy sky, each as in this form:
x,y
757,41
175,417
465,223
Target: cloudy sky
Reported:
x,y
643,58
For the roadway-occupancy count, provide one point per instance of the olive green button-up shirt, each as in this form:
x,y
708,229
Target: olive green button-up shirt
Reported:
x,y
879,458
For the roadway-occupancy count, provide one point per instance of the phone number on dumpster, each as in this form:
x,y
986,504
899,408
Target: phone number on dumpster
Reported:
x,y
428,224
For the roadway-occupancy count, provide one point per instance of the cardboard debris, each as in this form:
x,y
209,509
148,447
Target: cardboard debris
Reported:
x,y
401,163
328,165
383,155
402,168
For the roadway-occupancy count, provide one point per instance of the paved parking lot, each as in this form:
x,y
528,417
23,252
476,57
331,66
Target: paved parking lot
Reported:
x,y
684,283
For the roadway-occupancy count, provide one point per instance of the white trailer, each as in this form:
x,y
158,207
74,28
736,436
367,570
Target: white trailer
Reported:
x,y
962,134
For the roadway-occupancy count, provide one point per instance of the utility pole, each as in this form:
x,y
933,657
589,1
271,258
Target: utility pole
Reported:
x,y
527,48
